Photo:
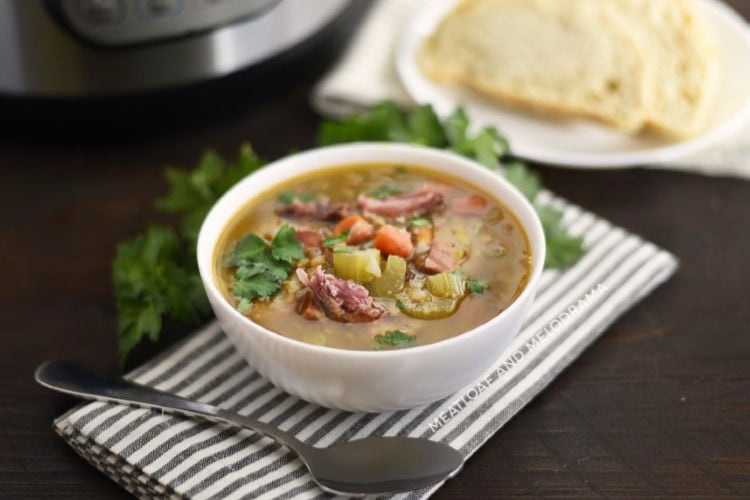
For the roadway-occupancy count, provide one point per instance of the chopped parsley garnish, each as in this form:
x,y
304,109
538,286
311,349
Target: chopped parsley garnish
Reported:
x,y
563,250
285,246
384,192
400,305
334,240
243,306
262,267
395,338
288,196
476,287
255,281
420,222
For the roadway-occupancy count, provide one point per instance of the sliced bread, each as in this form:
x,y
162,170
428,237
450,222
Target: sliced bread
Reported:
x,y
635,64
680,64
561,57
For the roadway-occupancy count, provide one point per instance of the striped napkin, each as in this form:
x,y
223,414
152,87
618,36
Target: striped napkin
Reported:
x,y
156,455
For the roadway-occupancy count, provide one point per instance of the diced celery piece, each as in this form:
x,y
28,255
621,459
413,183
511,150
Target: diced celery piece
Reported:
x,y
392,280
448,285
419,303
361,266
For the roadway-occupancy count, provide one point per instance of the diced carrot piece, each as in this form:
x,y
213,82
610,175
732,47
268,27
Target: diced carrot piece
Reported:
x,y
346,223
394,241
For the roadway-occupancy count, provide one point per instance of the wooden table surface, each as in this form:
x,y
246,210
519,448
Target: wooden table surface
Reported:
x,y
660,406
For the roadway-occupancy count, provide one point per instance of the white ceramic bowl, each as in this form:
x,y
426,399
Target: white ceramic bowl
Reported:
x,y
369,380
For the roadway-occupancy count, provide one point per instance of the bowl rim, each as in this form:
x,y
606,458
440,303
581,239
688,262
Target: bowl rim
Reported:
x,y
205,265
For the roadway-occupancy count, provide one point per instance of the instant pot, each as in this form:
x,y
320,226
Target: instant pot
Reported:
x,y
85,48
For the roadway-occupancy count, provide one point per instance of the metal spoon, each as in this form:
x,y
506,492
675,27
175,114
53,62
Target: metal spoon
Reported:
x,y
373,465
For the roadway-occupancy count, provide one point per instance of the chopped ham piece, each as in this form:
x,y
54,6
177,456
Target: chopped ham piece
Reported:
x,y
312,241
469,205
440,187
341,300
308,308
441,258
360,232
419,202
316,209
359,229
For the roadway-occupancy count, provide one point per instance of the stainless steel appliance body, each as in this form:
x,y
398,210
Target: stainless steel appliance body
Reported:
x,y
84,48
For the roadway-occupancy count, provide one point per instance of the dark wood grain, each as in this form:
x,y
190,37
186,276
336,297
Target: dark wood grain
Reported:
x,y
660,406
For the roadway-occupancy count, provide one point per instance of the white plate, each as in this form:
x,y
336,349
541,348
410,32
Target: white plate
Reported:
x,y
581,143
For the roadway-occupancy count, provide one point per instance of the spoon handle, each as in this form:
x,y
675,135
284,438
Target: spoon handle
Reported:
x,y
77,380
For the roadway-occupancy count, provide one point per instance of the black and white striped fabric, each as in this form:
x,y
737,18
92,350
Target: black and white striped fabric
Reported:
x,y
156,455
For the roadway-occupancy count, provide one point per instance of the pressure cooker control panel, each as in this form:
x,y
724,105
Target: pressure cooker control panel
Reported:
x,y
127,22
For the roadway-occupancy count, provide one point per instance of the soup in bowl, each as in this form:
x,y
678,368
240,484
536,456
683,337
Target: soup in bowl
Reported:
x,y
371,277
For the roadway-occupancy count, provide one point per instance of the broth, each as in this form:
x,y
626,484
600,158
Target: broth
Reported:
x,y
471,231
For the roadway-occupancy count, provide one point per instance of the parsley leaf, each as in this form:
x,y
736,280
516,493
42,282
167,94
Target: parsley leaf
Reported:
x,y
285,246
276,267
243,306
476,287
425,128
254,281
384,191
486,147
384,122
262,267
523,179
192,193
153,275
419,222
288,196
248,249
456,126
395,338
563,250
331,241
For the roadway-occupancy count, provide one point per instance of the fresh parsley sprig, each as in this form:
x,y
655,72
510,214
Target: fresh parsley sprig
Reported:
x,y
155,275
393,338
262,267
